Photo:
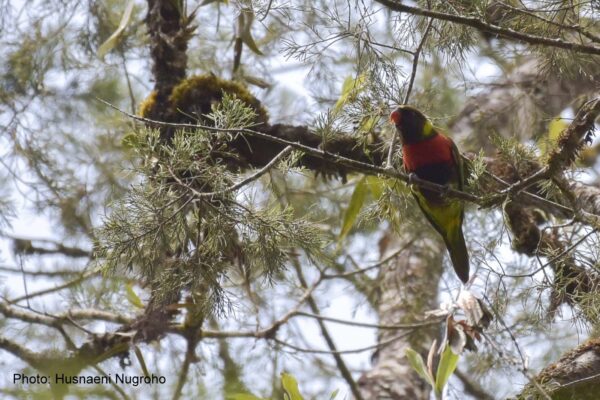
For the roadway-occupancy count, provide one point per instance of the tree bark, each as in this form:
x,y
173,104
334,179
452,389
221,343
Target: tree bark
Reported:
x,y
576,375
518,105
408,288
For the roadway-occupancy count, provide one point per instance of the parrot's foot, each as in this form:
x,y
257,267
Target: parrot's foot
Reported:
x,y
412,177
445,190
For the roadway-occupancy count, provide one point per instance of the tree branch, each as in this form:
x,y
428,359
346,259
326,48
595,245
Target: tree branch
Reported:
x,y
478,23
343,368
572,139
575,375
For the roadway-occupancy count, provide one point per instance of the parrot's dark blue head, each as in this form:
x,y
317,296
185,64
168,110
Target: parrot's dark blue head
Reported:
x,y
412,124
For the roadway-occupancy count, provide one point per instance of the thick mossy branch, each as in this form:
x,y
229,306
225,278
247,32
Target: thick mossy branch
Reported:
x,y
192,100
576,375
501,31
170,32
195,97
578,134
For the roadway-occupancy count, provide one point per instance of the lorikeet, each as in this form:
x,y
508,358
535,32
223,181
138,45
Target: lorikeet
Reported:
x,y
432,156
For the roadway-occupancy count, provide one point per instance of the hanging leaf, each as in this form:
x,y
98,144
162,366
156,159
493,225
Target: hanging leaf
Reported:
x,y
350,90
446,367
334,394
131,141
416,362
555,128
376,186
140,358
132,297
356,202
243,396
205,2
113,40
290,387
549,141
367,124
245,30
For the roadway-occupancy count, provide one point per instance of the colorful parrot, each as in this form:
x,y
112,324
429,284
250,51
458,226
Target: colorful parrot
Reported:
x,y
432,156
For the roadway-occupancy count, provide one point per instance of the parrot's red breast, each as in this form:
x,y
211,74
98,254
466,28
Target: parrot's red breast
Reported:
x,y
437,150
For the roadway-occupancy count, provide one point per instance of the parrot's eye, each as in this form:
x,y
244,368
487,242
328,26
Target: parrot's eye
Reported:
x,y
395,117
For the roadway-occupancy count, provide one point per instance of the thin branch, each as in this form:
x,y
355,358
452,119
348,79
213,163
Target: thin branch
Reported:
x,y
92,314
58,288
366,168
53,274
576,28
434,321
350,351
190,356
267,333
472,387
54,320
26,246
19,351
370,267
521,363
240,184
477,23
355,165
415,64
342,367
411,81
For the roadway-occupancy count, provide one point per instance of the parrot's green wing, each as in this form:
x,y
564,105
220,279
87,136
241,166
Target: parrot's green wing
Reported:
x,y
460,165
447,218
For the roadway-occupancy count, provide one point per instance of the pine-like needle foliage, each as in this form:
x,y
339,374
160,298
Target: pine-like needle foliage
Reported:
x,y
178,237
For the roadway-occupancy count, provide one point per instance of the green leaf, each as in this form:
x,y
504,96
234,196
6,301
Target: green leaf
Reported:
x,y
334,394
140,358
446,367
417,363
376,186
350,89
112,41
290,387
356,202
556,127
245,22
205,2
368,124
243,396
130,140
132,297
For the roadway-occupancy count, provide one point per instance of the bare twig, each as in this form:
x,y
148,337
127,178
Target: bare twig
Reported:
x,y
343,368
190,356
472,387
415,63
322,154
433,321
477,23
411,81
370,267
366,168
380,344
58,288
240,184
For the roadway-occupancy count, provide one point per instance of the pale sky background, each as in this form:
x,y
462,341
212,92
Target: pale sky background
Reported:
x,y
341,303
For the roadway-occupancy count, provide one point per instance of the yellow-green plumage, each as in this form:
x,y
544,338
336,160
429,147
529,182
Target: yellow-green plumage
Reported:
x,y
447,220
434,157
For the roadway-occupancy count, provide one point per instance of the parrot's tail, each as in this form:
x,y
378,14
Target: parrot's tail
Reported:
x,y
459,255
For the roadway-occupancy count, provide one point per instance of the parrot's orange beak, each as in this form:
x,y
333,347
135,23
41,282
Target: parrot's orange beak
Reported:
x,y
395,117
